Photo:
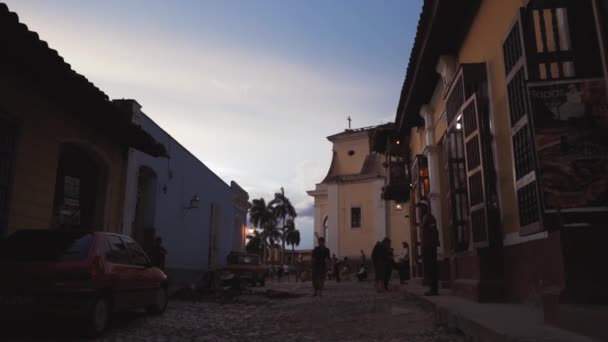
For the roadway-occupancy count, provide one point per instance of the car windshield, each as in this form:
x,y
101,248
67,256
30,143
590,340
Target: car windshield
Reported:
x,y
46,245
243,259
247,259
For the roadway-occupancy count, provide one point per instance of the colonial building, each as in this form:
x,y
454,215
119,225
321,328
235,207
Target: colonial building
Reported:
x,y
63,144
504,108
199,217
349,209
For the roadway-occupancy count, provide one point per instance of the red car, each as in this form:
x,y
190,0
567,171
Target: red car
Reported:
x,y
80,275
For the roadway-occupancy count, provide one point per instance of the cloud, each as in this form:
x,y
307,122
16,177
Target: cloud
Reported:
x,y
251,115
308,211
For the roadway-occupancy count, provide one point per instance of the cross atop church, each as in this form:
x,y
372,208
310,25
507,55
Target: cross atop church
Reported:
x,y
349,121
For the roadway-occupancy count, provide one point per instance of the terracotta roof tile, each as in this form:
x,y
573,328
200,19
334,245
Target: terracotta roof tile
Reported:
x,y
26,56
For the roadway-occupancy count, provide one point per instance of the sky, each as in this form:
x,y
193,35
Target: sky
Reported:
x,y
250,87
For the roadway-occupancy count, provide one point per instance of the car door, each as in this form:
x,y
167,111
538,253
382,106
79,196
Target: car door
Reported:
x,y
145,286
120,273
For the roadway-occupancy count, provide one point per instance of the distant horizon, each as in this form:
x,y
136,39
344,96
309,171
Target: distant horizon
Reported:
x,y
242,84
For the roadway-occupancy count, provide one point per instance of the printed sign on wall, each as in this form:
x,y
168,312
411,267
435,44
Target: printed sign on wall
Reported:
x,y
571,133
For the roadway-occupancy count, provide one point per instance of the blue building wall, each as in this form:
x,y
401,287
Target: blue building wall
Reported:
x,y
186,233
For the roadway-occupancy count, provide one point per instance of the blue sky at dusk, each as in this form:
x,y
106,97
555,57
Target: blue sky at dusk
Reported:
x,y
252,88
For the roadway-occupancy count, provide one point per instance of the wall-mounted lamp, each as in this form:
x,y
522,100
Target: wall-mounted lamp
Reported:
x,y
458,125
250,231
194,201
398,206
398,142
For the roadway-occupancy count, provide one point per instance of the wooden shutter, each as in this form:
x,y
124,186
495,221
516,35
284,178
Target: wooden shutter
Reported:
x,y
524,155
454,165
470,152
561,41
8,139
476,166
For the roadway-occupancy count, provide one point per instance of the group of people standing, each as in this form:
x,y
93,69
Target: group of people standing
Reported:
x,y
384,262
383,258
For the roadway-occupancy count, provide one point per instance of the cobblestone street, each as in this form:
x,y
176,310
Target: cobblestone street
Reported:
x,y
348,311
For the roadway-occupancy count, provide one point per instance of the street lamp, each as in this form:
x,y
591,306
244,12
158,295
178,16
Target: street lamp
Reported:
x,y
194,202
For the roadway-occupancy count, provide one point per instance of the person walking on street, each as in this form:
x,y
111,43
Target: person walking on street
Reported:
x,y
430,242
404,264
363,258
320,255
378,266
158,253
280,274
390,264
336,269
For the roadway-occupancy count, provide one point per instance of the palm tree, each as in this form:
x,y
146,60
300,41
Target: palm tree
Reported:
x,y
261,216
270,234
282,210
293,238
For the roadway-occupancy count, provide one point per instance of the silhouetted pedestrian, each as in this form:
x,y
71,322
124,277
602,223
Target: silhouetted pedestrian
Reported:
x,y
363,258
390,264
404,264
320,255
336,268
158,254
430,242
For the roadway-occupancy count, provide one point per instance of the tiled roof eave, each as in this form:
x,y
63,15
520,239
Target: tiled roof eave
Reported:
x,y
27,57
442,26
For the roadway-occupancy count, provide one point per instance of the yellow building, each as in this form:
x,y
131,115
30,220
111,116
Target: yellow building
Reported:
x,y
63,144
349,210
504,107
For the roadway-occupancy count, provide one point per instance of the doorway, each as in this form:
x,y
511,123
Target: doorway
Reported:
x,y
144,231
80,189
8,139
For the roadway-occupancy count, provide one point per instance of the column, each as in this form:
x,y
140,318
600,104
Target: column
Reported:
x,y
333,221
432,154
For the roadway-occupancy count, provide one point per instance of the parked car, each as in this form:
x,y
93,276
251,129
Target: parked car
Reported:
x,y
77,275
246,267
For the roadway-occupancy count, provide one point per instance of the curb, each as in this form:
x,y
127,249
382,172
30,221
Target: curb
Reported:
x,y
453,321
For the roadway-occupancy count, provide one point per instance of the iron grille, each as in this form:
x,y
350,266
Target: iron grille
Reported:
x,y
516,90
473,157
512,51
455,100
457,189
523,153
478,225
470,119
476,189
527,202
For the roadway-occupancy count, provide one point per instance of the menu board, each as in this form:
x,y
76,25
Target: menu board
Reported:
x,y
571,134
69,212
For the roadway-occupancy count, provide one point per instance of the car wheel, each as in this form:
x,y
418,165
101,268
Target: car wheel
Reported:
x,y
99,316
161,301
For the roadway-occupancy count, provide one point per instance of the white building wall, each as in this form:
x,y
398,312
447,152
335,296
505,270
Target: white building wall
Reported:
x,y
185,232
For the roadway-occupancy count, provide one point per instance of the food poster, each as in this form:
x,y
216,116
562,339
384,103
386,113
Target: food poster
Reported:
x,y
571,134
69,212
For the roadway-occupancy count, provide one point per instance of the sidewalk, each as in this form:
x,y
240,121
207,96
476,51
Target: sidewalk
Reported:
x,y
495,322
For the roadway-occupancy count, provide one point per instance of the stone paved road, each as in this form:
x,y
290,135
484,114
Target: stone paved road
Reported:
x,y
347,312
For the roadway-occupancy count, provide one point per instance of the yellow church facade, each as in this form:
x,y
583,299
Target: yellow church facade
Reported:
x,y
350,212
